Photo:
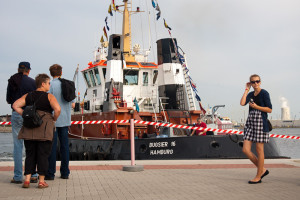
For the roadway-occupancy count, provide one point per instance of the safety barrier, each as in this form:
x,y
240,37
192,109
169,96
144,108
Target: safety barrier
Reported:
x,y
171,126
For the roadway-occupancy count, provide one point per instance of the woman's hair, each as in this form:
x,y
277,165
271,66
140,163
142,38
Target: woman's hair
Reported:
x,y
41,78
254,75
55,70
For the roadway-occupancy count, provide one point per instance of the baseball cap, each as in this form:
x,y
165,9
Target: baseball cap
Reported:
x,y
23,65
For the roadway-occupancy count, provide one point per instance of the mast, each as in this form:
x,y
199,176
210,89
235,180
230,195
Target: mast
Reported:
x,y
127,33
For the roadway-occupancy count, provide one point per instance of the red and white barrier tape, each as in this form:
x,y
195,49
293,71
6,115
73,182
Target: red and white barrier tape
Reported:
x,y
5,123
169,125
101,122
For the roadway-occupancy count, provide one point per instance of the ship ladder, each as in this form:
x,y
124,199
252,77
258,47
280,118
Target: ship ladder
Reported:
x,y
188,87
162,106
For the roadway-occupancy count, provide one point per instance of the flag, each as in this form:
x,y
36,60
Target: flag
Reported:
x,y
102,40
166,25
106,24
104,30
153,4
110,11
198,98
157,8
202,109
193,85
158,14
114,5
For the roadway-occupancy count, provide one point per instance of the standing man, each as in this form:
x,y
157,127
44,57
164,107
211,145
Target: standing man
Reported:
x,y
62,125
201,124
18,85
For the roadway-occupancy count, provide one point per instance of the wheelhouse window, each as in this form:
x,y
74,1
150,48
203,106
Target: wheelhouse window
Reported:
x,y
145,78
87,79
92,78
155,74
131,77
95,93
96,71
104,72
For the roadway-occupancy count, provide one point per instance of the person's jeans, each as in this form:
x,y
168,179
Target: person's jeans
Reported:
x,y
62,134
16,124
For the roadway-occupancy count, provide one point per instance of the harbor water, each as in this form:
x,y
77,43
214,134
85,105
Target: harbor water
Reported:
x,y
287,147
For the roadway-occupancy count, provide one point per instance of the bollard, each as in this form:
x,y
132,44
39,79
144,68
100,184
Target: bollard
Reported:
x,y
132,167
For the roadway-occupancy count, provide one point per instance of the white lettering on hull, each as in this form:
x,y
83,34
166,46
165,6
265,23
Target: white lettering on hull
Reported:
x,y
163,148
158,144
161,152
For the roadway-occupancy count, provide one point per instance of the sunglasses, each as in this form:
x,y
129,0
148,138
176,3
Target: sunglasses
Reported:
x,y
253,82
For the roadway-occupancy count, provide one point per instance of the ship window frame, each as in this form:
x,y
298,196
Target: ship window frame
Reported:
x,y
116,42
145,78
91,73
155,75
104,73
95,93
131,77
87,78
97,74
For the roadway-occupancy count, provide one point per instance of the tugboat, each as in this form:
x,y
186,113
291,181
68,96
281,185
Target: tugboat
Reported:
x,y
122,84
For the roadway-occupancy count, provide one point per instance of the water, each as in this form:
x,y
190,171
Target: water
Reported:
x,y
6,147
287,147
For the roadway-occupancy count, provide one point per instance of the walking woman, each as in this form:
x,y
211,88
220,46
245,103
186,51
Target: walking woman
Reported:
x,y
256,127
38,141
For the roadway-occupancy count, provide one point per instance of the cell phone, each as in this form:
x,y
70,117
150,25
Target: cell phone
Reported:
x,y
251,101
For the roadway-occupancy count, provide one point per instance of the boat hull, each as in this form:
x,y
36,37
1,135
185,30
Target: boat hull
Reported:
x,y
196,147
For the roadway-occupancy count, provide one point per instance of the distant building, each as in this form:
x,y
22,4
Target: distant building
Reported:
x,y
5,118
285,123
285,113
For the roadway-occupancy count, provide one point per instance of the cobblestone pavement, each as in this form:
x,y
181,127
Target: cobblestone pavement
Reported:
x,y
168,179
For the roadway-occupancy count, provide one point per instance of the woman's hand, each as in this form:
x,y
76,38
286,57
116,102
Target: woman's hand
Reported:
x,y
248,86
253,105
243,99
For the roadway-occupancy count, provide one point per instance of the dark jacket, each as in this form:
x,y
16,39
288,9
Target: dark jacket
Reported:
x,y
265,101
42,133
18,85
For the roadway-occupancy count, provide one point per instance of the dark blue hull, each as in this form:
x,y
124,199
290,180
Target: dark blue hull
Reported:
x,y
197,147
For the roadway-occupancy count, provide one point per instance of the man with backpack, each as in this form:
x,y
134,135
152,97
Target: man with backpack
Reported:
x,y
18,85
58,89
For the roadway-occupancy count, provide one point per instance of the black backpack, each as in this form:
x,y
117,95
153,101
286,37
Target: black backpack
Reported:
x,y
68,89
31,118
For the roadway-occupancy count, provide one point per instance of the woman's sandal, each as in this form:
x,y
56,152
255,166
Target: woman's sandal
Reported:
x,y
43,185
26,184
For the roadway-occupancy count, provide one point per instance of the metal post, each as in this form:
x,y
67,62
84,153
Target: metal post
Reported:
x,y
132,167
132,142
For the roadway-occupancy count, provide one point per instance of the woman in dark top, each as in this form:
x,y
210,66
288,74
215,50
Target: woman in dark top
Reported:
x,y
38,141
256,127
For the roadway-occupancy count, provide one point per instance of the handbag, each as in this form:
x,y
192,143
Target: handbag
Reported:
x,y
270,125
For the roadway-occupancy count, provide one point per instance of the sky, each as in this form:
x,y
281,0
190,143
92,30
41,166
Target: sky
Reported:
x,y
225,41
